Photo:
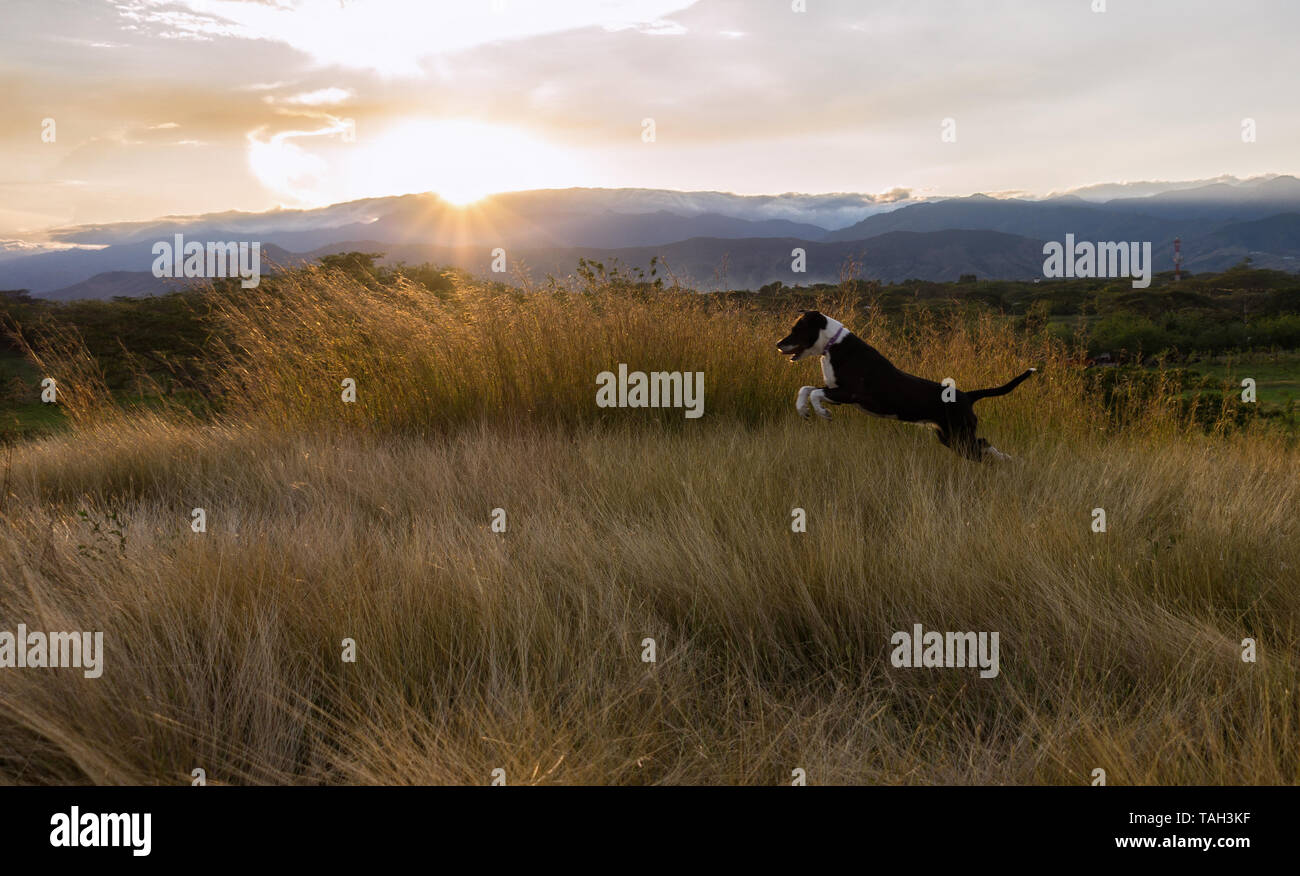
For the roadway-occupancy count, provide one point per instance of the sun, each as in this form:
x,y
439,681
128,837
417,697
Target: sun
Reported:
x,y
462,196
460,160
464,161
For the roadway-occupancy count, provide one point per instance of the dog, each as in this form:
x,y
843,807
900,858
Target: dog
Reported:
x,y
856,373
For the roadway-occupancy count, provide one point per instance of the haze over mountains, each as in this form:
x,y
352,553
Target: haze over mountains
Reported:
x,y
710,239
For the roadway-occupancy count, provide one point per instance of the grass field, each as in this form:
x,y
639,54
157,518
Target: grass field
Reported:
x,y
20,417
1276,375
523,650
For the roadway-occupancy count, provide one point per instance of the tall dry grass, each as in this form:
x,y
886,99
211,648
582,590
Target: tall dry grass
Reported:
x,y
425,364
522,650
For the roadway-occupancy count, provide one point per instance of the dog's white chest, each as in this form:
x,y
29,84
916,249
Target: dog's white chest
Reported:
x,y
828,371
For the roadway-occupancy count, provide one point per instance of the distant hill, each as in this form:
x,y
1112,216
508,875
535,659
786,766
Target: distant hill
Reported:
x,y
1042,220
1219,224
705,263
553,217
1217,204
1280,234
112,284
1201,216
712,263
66,273
898,255
1273,242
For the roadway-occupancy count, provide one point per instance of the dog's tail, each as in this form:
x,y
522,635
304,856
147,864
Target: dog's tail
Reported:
x,y
977,394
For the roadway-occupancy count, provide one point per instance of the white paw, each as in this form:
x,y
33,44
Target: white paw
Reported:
x,y
816,397
801,403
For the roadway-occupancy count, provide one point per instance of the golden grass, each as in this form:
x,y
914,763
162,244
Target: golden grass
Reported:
x,y
424,364
522,650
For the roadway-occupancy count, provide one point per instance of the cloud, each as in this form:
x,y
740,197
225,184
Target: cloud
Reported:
x,y
319,97
285,166
16,248
393,37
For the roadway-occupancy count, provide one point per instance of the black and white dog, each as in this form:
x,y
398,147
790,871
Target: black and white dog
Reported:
x,y
856,374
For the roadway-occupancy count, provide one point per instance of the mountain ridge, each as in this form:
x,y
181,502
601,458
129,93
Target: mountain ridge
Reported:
x,y
1213,221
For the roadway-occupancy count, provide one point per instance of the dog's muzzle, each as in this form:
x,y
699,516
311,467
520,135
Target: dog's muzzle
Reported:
x,y
794,351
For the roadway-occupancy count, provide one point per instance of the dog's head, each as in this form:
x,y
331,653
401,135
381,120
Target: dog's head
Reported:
x,y
805,335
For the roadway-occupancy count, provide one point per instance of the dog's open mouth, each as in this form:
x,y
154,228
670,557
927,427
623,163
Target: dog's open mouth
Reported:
x,y
794,352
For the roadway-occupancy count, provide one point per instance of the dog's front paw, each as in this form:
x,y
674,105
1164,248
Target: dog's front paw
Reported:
x,y
823,413
801,402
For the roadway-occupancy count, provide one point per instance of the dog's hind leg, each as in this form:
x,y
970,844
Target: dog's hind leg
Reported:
x,y
944,438
989,450
962,442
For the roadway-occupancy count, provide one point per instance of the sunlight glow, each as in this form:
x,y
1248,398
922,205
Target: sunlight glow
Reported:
x,y
459,160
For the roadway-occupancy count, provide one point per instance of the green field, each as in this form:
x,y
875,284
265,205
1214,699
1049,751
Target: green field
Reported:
x,y
21,411
1276,375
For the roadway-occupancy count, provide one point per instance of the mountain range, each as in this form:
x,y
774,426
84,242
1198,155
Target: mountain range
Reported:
x,y
710,239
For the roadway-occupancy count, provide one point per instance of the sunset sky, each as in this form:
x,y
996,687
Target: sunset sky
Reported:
x,y
191,106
